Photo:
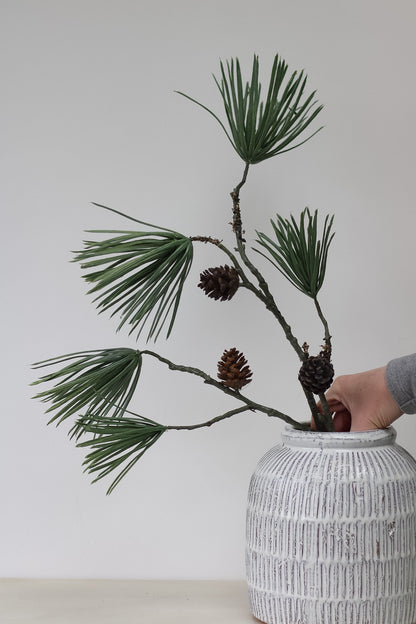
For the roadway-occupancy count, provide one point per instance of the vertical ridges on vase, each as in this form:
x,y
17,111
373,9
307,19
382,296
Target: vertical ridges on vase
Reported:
x,y
331,536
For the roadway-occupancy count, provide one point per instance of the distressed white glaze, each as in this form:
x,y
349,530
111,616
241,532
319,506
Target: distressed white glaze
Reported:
x,y
331,530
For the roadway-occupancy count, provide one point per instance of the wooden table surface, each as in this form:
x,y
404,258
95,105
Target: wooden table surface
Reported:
x,y
34,601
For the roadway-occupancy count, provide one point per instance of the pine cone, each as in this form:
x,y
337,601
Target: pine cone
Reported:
x,y
233,369
316,373
219,282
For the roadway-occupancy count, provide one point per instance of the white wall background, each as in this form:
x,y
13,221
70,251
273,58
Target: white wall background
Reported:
x,y
88,113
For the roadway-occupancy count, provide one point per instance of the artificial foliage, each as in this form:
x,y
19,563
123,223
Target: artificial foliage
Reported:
x,y
259,130
297,251
138,276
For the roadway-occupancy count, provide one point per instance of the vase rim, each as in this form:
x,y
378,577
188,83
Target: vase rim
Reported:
x,y
338,439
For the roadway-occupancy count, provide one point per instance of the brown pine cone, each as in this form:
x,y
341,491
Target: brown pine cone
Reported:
x,y
233,369
219,282
316,373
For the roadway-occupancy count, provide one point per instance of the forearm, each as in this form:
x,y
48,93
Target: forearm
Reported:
x,y
401,382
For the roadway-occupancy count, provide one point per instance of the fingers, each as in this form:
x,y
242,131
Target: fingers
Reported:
x,y
335,395
342,421
336,406
362,401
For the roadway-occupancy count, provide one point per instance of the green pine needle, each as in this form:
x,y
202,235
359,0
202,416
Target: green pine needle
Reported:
x,y
298,252
102,381
259,130
116,441
139,275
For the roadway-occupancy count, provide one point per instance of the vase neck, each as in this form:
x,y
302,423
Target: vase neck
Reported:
x,y
339,440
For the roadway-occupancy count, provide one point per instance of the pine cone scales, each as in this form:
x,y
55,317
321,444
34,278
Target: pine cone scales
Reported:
x,y
316,373
219,282
233,369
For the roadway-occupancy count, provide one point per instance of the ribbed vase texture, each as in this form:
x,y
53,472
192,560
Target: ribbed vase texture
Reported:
x,y
331,530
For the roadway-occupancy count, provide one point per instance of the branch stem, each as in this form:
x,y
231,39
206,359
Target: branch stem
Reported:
x,y
317,416
208,423
329,425
264,294
270,411
323,421
328,336
235,195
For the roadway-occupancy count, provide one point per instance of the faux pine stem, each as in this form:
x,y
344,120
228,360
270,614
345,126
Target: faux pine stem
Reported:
x,y
264,293
209,423
326,410
235,194
323,420
270,411
325,324
213,421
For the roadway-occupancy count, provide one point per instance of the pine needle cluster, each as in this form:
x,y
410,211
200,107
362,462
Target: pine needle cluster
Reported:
x,y
139,275
116,441
259,130
100,382
298,252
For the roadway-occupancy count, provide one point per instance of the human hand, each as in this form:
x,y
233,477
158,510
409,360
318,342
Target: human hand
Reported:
x,y
362,401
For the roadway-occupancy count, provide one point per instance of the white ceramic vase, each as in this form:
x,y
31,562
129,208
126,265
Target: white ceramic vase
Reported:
x,y
331,530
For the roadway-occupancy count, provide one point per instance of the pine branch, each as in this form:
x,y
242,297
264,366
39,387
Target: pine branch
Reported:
x,y
213,421
328,345
323,421
264,293
235,195
235,393
327,420
245,281
123,441
320,421
326,327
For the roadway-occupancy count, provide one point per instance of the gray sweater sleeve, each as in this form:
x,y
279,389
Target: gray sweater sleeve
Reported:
x,y
401,382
